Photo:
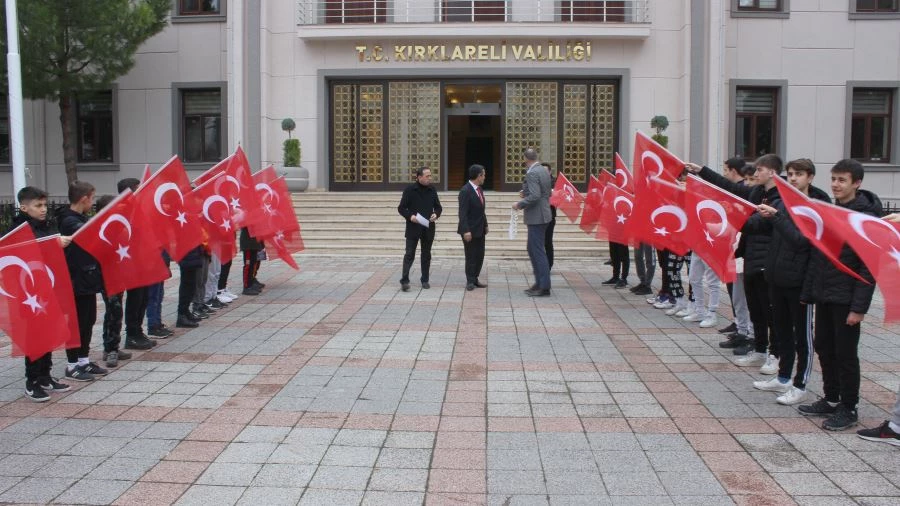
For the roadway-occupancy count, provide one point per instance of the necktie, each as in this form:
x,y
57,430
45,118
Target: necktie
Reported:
x,y
480,195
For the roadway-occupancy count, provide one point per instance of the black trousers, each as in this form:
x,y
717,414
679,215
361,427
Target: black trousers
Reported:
x,y
757,292
86,310
223,275
548,241
474,251
837,343
187,288
730,288
662,259
251,266
135,309
411,242
621,259
35,370
791,320
112,322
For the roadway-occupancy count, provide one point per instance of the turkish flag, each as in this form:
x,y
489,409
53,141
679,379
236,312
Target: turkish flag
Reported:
x,y
121,238
214,171
166,200
284,245
618,209
593,202
215,217
811,223
566,198
715,217
659,217
147,173
653,160
624,179
37,305
269,199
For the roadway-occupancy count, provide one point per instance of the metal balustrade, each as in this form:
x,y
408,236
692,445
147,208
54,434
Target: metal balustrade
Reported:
x,y
339,12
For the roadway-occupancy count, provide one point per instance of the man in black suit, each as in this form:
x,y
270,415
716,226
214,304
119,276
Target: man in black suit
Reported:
x,y
419,200
473,226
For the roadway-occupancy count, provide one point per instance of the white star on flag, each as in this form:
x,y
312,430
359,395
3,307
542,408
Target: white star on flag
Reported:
x,y
620,218
226,225
709,238
122,251
32,302
661,231
895,255
181,218
235,203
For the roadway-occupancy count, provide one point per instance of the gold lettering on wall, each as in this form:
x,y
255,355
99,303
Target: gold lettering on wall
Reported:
x,y
569,51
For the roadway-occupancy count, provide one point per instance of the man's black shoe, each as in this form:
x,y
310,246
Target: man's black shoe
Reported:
x,y
744,348
256,284
621,284
479,284
608,262
404,287
610,281
215,303
185,322
198,316
470,286
532,287
158,331
192,316
819,408
95,369
250,291
49,384
643,290
729,329
635,287
882,434
734,340
138,343
843,418
425,285
35,392
200,309
538,293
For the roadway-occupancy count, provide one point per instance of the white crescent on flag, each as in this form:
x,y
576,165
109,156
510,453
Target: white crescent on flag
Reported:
x,y
857,220
717,208
656,159
674,211
158,195
116,217
209,202
812,215
12,260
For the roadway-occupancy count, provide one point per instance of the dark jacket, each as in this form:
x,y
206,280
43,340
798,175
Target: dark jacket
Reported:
x,y
41,228
419,199
825,284
472,217
193,259
789,251
87,278
756,240
248,242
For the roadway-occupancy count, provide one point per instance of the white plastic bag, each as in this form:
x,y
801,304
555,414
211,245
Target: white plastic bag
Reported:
x,y
513,223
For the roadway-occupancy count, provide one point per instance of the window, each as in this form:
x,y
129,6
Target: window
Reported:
x,y
202,133
875,6
756,120
5,156
870,126
464,11
592,11
355,11
95,127
759,5
198,7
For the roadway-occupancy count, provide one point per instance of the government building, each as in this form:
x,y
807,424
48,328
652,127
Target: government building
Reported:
x,y
380,87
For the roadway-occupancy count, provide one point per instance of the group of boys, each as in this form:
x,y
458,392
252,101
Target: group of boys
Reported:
x,y
202,290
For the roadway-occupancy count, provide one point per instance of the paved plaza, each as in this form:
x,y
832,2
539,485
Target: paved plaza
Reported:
x,y
334,387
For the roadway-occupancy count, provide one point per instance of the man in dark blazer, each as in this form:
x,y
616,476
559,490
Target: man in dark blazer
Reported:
x,y
536,205
419,198
473,226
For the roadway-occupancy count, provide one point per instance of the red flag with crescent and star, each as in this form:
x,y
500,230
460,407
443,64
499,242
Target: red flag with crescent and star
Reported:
x,y
35,294
165,198
286,240
121,239
215,217
653,161
593,202
566,198
624,178
269,200
659,217
875,241
618,207
811,223
715,217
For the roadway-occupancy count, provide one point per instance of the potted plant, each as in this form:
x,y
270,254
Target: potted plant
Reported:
x,y
296,177
660,124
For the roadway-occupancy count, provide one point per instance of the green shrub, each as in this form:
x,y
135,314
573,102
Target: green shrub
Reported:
x,y
292,153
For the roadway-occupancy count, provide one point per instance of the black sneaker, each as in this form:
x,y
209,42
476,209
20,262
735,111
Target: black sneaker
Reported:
x,y
95,369
256,284
138,343
882,434
729,329
819,408
643,290
621,284
744,348
111,358
51,385
403,286
79,374
734,340
610,282
250,290
35,392
425,285
158,331
843,418
215,303
183,322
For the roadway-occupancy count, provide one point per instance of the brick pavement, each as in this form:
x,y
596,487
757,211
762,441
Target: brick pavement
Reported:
x,y
333,387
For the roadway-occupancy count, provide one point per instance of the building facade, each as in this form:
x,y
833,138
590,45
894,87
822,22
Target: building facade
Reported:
x,y
380,87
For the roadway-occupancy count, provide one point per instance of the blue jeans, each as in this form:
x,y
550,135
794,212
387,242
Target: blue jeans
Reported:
x,y
538,255
154,305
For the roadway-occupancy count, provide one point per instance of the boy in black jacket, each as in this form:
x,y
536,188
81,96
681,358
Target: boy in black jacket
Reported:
x,y
786,270
841,304
252,249
87,282
33,210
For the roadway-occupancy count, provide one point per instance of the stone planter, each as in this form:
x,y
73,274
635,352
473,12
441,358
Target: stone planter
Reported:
x,y
297,178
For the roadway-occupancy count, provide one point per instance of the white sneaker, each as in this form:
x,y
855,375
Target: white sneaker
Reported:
x,y
771,365
772,385
655,299
664,305
693,317
229,294
710,321
751,359
681,313
792,396
222,296
677,308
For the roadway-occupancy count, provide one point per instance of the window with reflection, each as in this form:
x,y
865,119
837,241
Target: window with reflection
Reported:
x,y
201,116
870,126
756,120
95,127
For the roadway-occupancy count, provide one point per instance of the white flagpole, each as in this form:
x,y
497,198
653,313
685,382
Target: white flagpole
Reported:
x,y
16,126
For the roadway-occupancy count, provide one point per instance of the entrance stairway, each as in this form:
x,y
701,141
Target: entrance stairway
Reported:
x,y
367,224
